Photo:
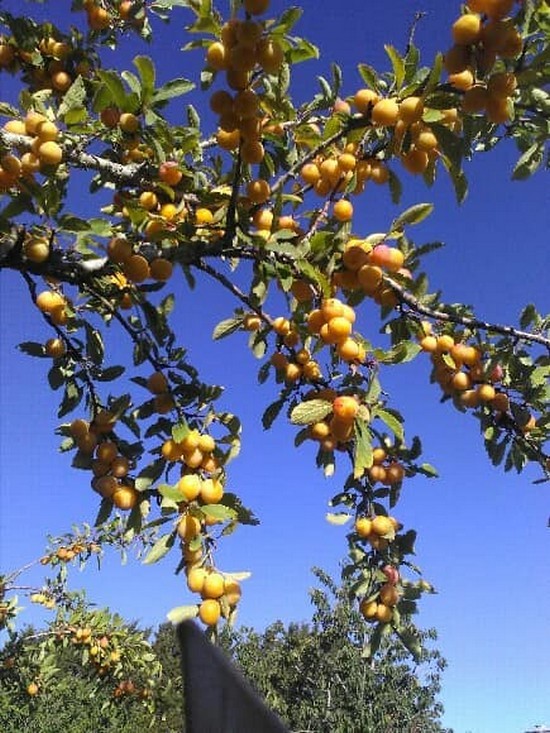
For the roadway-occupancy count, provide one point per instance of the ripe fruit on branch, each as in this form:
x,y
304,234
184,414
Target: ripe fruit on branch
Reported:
x,y
389,595
32,689
55,347
385,113
36,249
363,527
125,497
391,573
345,408
128,123
467,29
383,526
343,210
209,611
50,153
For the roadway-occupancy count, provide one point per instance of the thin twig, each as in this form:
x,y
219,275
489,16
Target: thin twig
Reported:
x,y
467,321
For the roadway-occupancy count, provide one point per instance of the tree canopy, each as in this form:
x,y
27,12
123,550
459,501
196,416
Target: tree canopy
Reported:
x,y
254,191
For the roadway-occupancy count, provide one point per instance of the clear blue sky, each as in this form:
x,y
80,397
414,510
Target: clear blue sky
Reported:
x,y
483,540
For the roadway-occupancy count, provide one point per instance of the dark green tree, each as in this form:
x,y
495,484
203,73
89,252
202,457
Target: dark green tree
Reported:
x,y
315,676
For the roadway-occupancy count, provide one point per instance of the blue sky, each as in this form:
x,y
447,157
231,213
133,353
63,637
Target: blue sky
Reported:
x,y
483,540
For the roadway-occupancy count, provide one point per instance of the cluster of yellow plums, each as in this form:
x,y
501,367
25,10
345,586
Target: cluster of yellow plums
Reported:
x,y
39,150
244,47
219,593
110,468
482,35
460,371
379,531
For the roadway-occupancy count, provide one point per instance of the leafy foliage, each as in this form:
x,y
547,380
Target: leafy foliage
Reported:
x,y
260,206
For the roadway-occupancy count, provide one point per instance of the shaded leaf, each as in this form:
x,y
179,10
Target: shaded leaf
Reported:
x,y
160,548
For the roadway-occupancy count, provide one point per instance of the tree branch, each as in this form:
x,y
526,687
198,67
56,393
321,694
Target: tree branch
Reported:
x,y
468,321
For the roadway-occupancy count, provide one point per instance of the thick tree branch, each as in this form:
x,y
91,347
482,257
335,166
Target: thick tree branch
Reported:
x,y
122,173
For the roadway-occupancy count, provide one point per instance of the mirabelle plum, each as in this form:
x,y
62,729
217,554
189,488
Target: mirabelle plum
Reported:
x,y
49,153
385,113
216,56
195,579
136,268
370,278
345,407
125,497
363,527
310,173
411,109
211,491
343,210
365,99
55,347
170,173
382,525
128,123
462,80
415,161
210,611
258,191
270,56
466,30
252,152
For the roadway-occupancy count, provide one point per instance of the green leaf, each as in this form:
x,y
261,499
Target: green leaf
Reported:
x,y
180,431
94,344
182,613
396,188
459,182
411,642
104,512
226,327
362,458
528,316
109,374
413,215
528,162
161,547
338,518
435,74
271,413
302,51
428,470
393,422
170,492
219,511
402,352
150,474
398,65
74,98
56,378
244,515
170,90
310,411
146,70
72,397
369,75
32,348
115,87
287,21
